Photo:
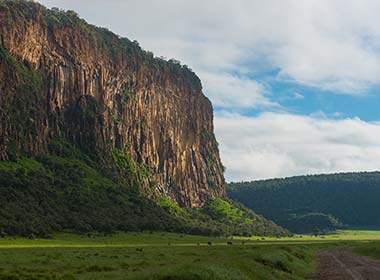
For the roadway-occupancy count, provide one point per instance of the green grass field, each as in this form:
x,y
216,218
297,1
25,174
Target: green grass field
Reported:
x,y
167,256
370,249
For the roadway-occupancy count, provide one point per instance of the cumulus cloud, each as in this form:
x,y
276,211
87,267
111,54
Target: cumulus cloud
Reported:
x,y
278,145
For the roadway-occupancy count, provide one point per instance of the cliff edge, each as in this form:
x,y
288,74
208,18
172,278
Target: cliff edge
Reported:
x,y
62,78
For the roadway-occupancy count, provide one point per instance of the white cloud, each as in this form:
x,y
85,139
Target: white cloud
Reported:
x,y
329,44
233,92
278,145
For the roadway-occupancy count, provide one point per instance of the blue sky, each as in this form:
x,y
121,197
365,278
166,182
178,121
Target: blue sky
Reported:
x,y
295,84
306,100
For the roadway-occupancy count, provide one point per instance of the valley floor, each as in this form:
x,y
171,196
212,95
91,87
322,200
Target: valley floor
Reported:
x,y
171,256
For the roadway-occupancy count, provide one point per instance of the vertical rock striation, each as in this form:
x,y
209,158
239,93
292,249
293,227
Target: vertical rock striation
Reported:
x,y
63,78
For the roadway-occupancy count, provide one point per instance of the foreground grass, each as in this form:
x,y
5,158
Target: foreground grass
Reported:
x,y
165,262
164,256
370,249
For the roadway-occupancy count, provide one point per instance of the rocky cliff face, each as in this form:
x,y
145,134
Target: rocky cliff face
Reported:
x,y
61,78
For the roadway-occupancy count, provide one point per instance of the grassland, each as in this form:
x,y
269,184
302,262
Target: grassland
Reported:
x,y
370,249
154,255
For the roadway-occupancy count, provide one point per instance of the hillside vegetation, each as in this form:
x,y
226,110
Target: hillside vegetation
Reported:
x,y
318,203
65,190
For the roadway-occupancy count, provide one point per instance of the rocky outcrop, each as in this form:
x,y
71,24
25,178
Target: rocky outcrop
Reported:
x,y
63,78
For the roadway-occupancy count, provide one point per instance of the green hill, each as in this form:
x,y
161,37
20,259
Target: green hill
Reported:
x,y
66,190
314,203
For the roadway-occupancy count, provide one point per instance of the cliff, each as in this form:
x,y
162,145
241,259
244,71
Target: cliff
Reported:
x,y
62,78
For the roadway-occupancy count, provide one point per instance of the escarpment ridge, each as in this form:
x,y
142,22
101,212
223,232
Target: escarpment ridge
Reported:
x,y
143,118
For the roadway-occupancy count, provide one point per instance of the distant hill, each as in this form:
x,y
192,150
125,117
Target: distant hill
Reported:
x,y
314,203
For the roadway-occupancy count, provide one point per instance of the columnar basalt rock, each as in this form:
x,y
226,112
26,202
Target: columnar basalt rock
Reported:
x,y
61,77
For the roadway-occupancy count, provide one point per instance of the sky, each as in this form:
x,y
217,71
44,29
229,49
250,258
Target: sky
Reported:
x,y
295,84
